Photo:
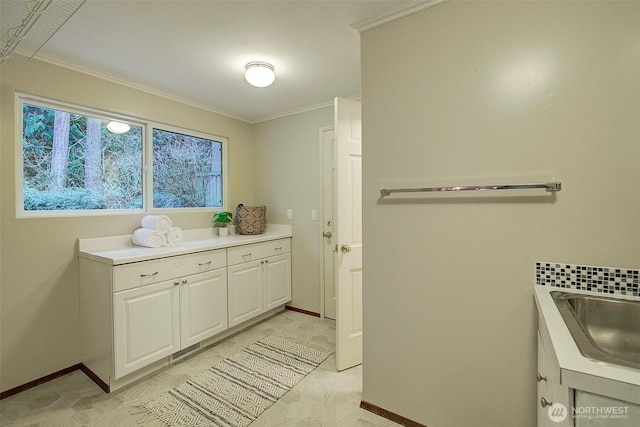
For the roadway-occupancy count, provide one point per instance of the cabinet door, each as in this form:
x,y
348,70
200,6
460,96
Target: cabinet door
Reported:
x,y
277,283
245,292
628,414
203,306
146,325
559,399
543,419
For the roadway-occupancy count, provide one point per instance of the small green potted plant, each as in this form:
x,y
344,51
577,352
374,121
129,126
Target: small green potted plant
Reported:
x,y
222,220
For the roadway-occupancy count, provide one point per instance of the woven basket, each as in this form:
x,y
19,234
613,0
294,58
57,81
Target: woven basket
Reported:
x,y
251,219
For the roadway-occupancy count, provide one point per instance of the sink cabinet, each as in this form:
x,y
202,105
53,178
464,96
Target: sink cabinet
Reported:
x,y
613,412
135,317
588,390
554,400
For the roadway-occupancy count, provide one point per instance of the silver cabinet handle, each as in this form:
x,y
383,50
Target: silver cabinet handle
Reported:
x,y
278,249
204,263
176,283
149,275
266,261
261,262
541,378
184,281
244,255
544,402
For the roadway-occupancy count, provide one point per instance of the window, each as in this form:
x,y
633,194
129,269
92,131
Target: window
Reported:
x,y
74,162
71,162
187,171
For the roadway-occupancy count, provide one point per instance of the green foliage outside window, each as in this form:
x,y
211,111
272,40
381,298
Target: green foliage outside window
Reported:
x,y
187,171
118,161
72,162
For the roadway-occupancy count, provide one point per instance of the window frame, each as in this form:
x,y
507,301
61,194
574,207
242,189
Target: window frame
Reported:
x,y
148,196
147,125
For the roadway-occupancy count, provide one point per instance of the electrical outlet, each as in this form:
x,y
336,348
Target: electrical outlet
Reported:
x,y
289,213
314,215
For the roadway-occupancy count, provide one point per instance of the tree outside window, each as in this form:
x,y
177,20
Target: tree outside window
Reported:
x,y
187,171
72,162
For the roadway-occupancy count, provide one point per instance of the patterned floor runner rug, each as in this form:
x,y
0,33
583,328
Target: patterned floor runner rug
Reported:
x,y
238,389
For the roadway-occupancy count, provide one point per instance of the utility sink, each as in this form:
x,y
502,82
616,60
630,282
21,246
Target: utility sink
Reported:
x,y
604,329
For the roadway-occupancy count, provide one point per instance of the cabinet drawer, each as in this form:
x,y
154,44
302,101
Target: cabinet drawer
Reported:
x,y
143,273
246,253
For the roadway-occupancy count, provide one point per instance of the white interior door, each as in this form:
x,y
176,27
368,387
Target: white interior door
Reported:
x,y
327,138
348,232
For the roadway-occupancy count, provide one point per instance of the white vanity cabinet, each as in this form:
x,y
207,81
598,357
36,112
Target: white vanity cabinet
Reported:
x,y
138,313
141,308
259,278
155,321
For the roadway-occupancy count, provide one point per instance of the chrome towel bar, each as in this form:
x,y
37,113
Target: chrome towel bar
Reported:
x,y
547,186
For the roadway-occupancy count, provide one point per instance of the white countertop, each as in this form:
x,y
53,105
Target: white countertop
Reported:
x,y
577,371
118,250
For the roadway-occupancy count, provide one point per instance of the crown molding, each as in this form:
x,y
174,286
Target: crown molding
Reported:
x,y
397,13
122,82
304,109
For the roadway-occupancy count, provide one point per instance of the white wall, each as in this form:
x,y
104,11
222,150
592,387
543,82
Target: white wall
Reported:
x,y
39,312
288,176
469,92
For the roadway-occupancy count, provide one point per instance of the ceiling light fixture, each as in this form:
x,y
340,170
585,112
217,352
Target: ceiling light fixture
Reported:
x,y
118,127
259,74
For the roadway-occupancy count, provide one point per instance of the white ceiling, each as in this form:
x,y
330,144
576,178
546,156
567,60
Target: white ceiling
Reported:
x,y
195,51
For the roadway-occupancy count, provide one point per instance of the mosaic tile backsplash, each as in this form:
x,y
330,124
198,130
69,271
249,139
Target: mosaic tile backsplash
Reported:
x,y
607,280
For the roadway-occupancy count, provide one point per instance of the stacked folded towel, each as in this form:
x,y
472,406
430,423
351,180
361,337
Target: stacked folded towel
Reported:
x,y
160,223
149,238
174,236
157,231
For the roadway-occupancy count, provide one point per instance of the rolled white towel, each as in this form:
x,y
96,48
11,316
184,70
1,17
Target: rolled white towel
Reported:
x,y
175,236
160,223
149,238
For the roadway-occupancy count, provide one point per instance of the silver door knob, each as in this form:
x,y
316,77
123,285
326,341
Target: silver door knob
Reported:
x,y
327,234
345,248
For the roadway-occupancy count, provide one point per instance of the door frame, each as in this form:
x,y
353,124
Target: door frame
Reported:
x,y
321,131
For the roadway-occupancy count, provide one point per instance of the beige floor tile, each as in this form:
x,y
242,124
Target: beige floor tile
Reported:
x,y
323,398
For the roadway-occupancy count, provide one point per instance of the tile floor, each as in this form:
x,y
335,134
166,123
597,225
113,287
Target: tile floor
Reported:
x,y
324,398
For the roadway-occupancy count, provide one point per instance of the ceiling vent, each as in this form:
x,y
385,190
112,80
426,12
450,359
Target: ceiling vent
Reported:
x,y
32,23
